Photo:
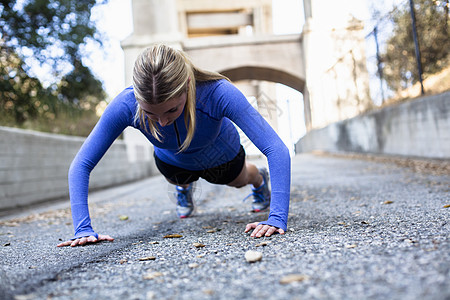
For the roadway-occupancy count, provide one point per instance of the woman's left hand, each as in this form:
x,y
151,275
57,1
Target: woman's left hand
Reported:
x,y
262,230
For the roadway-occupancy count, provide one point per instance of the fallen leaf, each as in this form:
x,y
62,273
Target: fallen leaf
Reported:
x,y
293,278
200,255
123,217
7,244
262,244
198,245
152,275
153,243
253,256
147,258
207,227
446,206
208,292
193,265
350,246
213,230
172,236
365,222
388,202
122,261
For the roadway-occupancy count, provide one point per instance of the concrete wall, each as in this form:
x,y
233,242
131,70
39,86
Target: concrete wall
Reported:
x,y
419,127
34,166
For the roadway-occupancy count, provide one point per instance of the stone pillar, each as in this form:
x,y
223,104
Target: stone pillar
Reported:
x,y
155,21
335,64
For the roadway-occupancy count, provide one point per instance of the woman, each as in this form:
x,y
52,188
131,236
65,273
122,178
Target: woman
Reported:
x,y
186,113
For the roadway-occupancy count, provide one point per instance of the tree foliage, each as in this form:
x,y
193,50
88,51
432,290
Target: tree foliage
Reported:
x,y
52,35
400,65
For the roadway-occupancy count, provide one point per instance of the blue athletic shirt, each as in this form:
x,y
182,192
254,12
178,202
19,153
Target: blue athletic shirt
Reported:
x,y
216,141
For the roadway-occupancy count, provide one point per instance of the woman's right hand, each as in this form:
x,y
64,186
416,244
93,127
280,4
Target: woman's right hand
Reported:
x,y
85,240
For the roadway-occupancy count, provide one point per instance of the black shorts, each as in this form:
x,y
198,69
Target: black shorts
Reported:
x,y
222,174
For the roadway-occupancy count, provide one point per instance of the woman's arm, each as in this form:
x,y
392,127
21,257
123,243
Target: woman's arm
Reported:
x,y
114,120
237,108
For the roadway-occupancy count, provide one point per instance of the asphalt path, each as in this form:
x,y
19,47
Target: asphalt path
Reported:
x,y
358,229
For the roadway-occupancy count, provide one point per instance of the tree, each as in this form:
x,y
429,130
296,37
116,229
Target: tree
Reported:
x,y
50,34
400,67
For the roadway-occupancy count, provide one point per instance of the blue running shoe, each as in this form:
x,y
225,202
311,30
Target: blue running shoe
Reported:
x,y
185,203
261,195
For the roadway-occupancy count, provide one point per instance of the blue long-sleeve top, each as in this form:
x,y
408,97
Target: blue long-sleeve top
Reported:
x,y
216,141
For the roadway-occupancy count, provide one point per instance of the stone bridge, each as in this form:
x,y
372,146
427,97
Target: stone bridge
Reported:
x,y
236,39
267,58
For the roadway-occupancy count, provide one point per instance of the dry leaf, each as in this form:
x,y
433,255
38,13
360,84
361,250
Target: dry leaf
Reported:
x,y
388,202
153,243
7,244
208,292
172,236
147,258
253,256
207,227
193,265
350,246
123,217
122,261
262,244
293,278
447,206
152,275
198,245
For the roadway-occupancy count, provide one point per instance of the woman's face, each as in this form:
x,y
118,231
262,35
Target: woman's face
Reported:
x,y
165,113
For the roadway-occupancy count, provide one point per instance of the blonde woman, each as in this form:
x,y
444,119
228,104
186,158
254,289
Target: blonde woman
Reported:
x,y
187,114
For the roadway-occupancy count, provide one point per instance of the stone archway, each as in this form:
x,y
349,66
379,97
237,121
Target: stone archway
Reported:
x,y
265,74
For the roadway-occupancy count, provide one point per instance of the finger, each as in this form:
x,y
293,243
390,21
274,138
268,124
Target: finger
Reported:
x,y
280,231
258,231
91,239
63,244
262,231
83,241
102,237
270,231
251,226
75,243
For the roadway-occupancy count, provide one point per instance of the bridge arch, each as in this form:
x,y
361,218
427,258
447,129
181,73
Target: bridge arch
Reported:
x,y
265,74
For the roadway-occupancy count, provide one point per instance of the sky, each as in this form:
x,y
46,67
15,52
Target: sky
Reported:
x,y
115,21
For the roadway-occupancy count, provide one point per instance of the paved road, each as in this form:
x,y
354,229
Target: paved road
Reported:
x,y
358,229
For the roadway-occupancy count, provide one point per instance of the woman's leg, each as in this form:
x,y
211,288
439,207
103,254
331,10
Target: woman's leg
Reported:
x,y
249,175
184,186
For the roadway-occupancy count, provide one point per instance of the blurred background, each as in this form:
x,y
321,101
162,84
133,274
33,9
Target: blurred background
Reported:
x,y
335,76
61,62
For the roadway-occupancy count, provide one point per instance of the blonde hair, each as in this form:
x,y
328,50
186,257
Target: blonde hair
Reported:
x,y
162,73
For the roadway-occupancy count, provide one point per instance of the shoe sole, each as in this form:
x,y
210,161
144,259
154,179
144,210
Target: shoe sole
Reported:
x,y
260,210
